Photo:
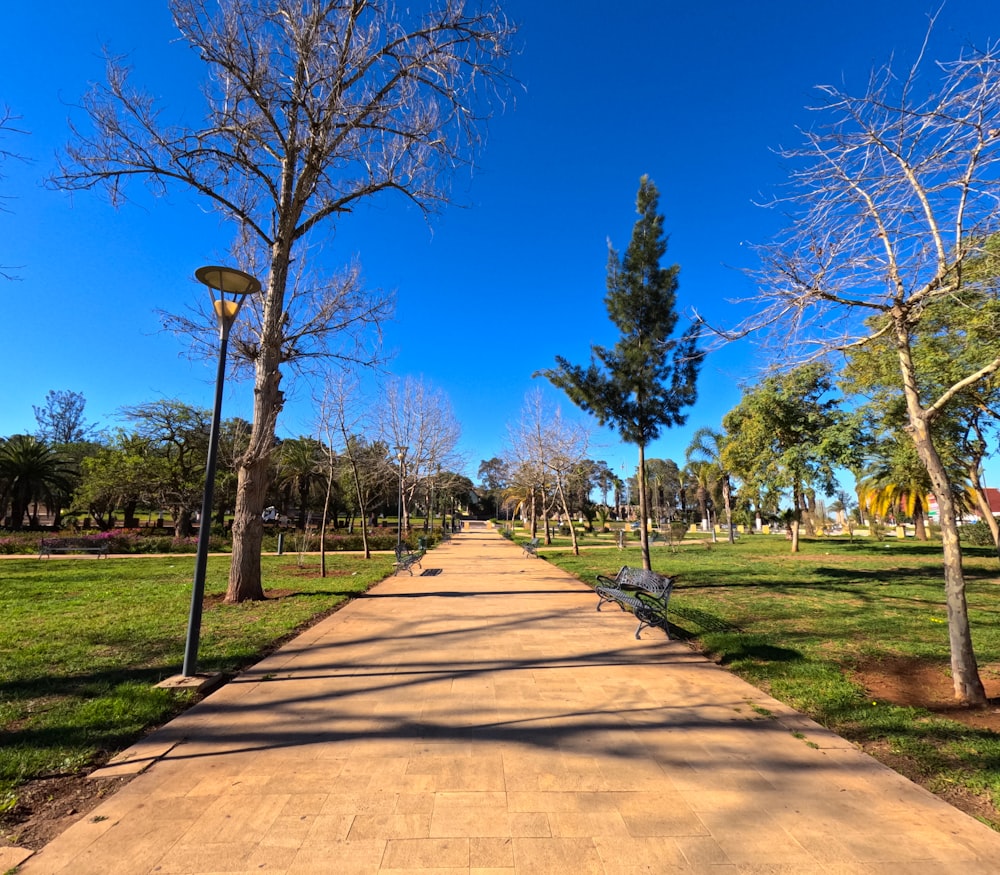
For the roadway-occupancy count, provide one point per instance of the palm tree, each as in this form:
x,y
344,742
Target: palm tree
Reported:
x,y
897,481
707,446
30,472
300,467
700,480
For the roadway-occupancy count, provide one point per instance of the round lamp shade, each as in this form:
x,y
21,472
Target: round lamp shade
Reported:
x,y
228,280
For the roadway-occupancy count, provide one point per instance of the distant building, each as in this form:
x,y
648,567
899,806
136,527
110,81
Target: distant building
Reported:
x,y
992,496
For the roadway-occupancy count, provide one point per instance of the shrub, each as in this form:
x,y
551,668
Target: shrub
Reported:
x,y
976,534
12,544
677,530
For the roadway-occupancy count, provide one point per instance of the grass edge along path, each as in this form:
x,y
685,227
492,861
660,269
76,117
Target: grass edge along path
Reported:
x,y
801,626
83,644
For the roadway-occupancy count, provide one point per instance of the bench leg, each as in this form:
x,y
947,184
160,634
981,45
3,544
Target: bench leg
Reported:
x,y
648,618
611,600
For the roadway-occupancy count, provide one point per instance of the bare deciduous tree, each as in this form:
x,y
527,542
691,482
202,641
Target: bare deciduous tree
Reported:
x,y
342,424
547,449
892,198
419,417
312,107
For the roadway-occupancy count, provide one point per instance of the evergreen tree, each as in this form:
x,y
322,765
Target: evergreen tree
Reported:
x,y
642,383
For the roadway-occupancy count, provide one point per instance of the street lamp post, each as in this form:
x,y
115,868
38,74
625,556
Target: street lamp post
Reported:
x,y
237,285
401,456
434,480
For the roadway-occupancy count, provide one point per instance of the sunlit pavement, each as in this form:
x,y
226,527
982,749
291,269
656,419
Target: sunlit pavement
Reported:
x,y
484,718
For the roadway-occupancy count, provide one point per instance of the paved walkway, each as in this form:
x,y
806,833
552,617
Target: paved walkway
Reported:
x,y
485,719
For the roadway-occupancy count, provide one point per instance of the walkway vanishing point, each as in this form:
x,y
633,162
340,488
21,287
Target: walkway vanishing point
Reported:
x,y
484,718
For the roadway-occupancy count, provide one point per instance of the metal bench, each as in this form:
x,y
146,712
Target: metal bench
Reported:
x,y
531,547
48,546
645,594
407,558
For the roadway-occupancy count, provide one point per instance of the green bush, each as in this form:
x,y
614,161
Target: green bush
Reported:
x,y
977,534
678,530
19,542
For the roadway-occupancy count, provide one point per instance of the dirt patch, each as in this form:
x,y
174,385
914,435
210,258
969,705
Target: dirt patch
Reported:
x,y
48,806
907,680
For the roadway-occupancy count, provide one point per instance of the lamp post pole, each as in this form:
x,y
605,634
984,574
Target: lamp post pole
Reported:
x,y
401,456
434,479
237,284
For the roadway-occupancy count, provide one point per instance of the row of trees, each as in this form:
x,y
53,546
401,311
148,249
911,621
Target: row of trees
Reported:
x,y
546,474
156,462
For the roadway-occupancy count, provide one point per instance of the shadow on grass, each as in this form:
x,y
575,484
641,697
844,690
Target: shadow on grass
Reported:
x,y
761,653
707,621
819,578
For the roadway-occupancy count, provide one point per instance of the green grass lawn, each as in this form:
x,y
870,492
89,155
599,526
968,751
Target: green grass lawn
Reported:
x,y
83,642
799,625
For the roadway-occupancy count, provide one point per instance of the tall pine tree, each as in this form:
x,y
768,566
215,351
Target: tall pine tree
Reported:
x,y
642,383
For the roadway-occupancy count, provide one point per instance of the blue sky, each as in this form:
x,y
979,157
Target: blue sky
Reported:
x,y
695,95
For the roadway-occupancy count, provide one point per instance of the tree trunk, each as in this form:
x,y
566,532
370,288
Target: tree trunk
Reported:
x,y
643,510
807,510
183,525
254,474
303,502
569,519
964,669
322,531
919,529
359,495
793,523
248,534
727,501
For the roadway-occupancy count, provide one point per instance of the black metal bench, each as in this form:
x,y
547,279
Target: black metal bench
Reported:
x,y
645,594
407,558
48,546
531,547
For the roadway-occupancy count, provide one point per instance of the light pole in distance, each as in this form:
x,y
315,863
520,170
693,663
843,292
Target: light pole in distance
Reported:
x,y
401,456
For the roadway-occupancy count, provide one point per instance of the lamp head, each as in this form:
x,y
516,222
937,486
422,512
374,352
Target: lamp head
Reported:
x,y
227,281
